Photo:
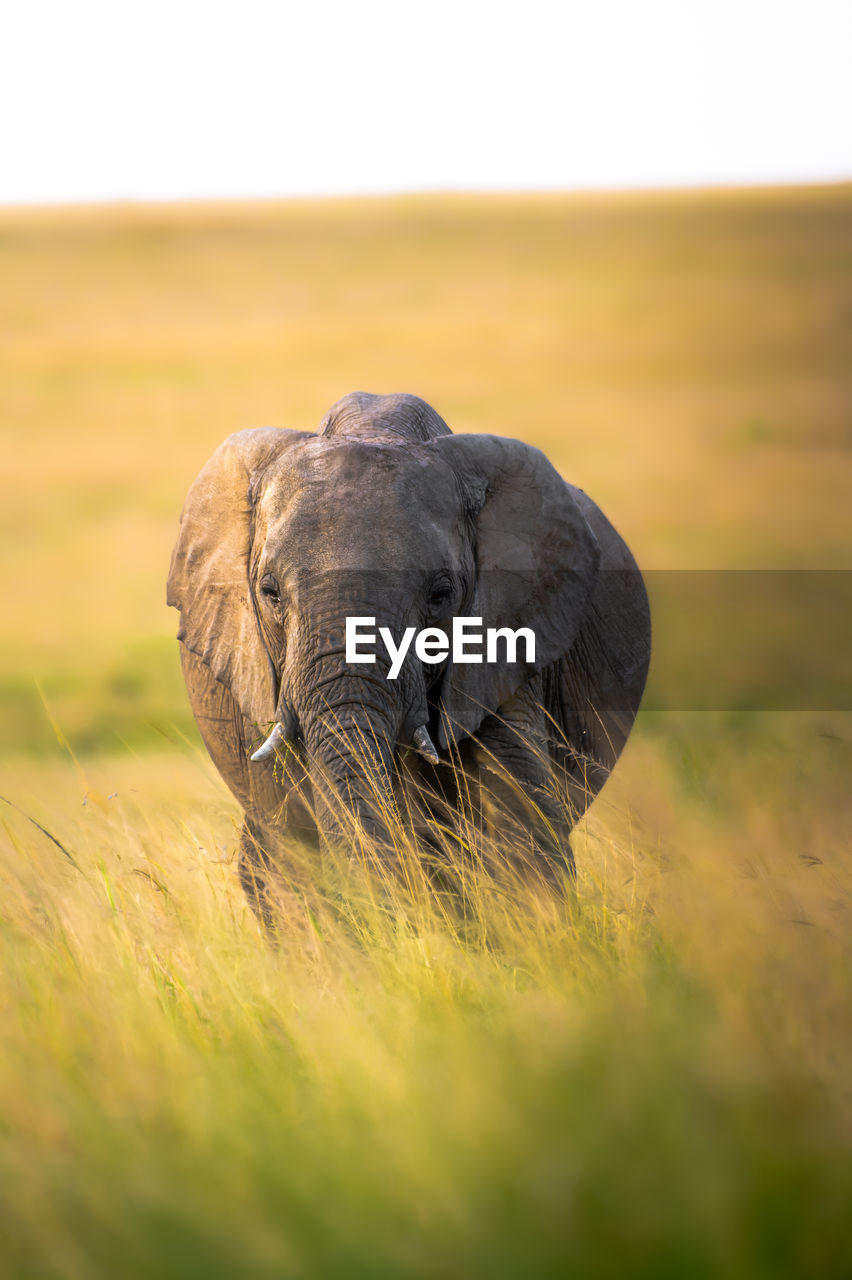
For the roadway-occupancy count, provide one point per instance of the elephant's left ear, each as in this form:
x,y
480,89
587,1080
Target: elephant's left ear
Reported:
x,y
209,575
536,562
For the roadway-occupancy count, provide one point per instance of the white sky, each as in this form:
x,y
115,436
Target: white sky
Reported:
x,y
176,98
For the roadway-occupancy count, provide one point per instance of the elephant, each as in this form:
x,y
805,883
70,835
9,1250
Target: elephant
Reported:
x,y
383,514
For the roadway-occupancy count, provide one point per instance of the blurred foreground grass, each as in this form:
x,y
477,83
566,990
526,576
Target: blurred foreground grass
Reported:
x,y
651,1080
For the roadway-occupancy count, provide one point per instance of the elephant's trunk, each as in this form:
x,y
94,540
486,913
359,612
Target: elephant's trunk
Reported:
x,y
350,714
350,725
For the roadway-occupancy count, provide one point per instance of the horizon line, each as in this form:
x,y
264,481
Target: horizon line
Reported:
x,y
710,187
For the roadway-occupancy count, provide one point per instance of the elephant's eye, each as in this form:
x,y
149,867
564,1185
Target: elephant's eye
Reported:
x,y
269,588
440,592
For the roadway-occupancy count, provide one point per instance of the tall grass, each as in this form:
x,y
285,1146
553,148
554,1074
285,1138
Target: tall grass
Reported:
x,y
650,1076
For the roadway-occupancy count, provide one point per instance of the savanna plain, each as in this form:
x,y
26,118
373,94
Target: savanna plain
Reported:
x,y
649,1075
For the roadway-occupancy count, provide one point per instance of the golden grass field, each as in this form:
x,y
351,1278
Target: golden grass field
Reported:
x,y
652,1078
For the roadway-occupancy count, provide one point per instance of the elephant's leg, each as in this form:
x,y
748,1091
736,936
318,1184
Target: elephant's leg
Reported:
x,y
437,811
278,875
522,809
256,871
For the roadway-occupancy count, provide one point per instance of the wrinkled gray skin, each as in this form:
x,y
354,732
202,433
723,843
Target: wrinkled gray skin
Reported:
x,y
383,512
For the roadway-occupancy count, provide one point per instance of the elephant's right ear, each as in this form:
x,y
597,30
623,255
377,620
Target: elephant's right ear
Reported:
x,y
209,574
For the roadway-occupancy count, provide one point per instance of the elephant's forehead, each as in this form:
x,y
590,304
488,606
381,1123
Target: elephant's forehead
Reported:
x,y
369,480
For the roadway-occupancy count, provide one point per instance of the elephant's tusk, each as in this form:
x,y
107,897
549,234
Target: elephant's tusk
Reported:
x,y
277,738
425,745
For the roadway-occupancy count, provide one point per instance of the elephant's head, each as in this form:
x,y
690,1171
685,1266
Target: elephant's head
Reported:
x,y
381,513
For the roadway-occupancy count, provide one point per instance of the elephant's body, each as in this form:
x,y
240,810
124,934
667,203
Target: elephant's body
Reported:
x,y
384,513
